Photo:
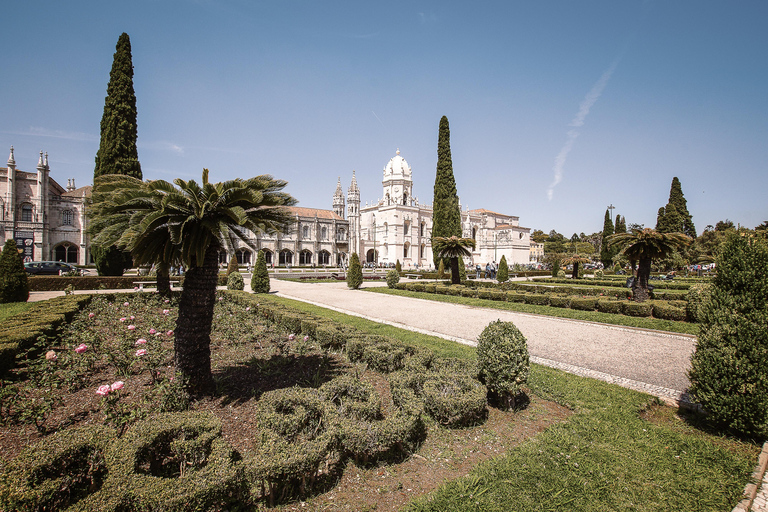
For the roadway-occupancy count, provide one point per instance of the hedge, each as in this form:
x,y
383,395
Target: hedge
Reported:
x,y
641,309
559,301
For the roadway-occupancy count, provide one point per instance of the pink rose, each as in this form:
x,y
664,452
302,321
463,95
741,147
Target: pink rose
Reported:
x,y
131,327
135,288
132,317
152,331
169,333
126,303
141,352
248,308
81,348
103,390
221,298
167,301
91,315
140,341
166,311
123,319
306,338
117,385
291,337
50,355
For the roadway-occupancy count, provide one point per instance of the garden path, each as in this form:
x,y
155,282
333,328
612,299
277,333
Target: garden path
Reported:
x,y
648,361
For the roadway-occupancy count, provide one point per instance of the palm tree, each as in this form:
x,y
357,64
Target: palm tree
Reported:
x,y
453,247
190,224
575,260
642,246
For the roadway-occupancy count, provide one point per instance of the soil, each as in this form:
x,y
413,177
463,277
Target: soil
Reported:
x,y
246,369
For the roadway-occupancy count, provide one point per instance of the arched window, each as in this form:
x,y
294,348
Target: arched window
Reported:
x,y
405,249
341,258
406,224
341,234
67,218
421,251
305,257
323,258
305,232
286,257
66,252
421,229
243,256
26,213
405,198
267,256
222,257
324,233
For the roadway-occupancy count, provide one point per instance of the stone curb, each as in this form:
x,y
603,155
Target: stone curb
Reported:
x,y
750,490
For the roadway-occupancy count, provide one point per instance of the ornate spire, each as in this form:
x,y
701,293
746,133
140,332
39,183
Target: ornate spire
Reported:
x,y
11,160
339,192
40,164
45,162
353,186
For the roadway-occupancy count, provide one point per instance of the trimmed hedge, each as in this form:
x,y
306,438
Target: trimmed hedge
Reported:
x,y
559,301
537,299
609,306
667,311
641,309
584,303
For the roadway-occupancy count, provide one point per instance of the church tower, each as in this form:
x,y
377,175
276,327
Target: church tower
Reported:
x,y
353,215
397,182
338,200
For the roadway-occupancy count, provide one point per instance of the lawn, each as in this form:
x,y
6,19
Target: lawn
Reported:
x,y
578,444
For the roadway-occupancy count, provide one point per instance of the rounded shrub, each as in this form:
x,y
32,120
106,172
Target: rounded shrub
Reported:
x,y
502,360
561,274
393,277
352,398
639,309
559,301
599,273
454,399
503,273
232,266
235,281
728,367
355,272
584,303
609,306
14,285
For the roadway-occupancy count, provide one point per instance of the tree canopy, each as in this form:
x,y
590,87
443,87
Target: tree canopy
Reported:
x,y
446,215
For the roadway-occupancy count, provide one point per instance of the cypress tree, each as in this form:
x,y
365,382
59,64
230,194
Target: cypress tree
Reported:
x,y
677,199
671,221
260,276
117,152
621,224
606,252
14,286
503,274
117,149
355,272
446,215
728,367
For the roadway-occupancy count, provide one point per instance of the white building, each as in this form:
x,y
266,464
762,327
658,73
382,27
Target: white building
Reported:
x,y
49,221
44,218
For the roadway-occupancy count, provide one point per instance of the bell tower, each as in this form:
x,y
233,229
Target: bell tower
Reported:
x,y
397,182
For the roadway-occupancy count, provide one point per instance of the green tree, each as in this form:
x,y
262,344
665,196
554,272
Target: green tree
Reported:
x,y
575,260
260,276
118,153
453,248
644,246
502,275
621,224
14,285
728,367
232,266
355,272
677,199
441,270
606,252
446,215
194,223
538,236
670,221
398,267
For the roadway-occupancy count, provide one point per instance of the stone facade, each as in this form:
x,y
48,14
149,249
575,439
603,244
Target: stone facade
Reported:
x,y
46,219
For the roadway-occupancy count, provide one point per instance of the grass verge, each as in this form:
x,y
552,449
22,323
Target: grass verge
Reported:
x,y
621,450
589,316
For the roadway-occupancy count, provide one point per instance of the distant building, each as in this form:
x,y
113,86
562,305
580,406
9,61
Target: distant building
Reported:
x,y
46,219
49,222
537,252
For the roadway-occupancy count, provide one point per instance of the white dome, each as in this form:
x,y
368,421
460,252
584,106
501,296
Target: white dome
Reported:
x,y
397,167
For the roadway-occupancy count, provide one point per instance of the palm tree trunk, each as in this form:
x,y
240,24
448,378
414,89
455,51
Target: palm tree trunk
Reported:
x,y
193,325
455,277
640,289
163,279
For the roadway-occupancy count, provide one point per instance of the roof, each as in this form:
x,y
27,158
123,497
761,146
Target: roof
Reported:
x,y
314,212
483,210
79,192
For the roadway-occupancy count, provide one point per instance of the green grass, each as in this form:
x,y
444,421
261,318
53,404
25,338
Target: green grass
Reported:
x,y
606,457
13,308
590,316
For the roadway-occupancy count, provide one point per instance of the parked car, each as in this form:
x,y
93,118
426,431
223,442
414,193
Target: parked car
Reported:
x,y
49,268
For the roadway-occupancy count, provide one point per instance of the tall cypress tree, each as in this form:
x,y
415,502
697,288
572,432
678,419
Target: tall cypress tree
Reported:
x,y
606,252
671,221
14,286
677,199
621,224
117,152
117,149
446,215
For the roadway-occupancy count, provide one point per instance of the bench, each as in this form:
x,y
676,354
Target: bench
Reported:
x,y
413,276
141,284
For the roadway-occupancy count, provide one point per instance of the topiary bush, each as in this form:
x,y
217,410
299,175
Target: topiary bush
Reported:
x,y
454,399
393,277
515,297
260,276
559,301
235,281
561,274
355,272
398,267
666,311
599,273
14,286
232,266
502,275
728,369
502,360
58,471
638,309
540,299
609,306
584,303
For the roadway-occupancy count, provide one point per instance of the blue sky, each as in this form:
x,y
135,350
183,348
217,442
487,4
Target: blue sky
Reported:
x,y
557,108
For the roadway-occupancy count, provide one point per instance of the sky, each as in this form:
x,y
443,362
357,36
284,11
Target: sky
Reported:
x,y
557,108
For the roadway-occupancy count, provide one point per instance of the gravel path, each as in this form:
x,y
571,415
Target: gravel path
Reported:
x,y
648,361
